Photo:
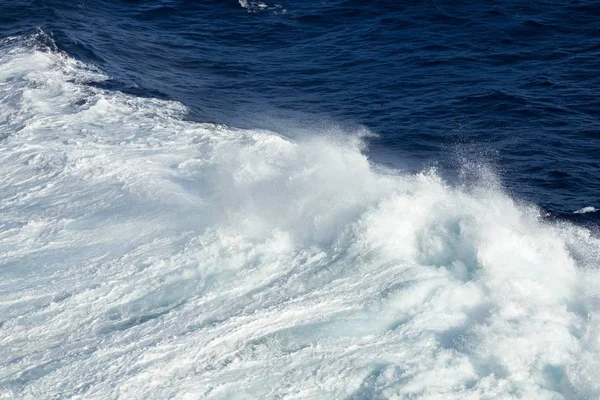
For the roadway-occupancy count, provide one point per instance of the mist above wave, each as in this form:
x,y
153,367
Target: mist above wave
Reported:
x,y
145,256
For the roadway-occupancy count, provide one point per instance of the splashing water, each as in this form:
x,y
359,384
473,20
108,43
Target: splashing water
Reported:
x,y
146,256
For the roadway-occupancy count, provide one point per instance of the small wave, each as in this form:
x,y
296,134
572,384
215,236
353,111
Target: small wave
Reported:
x,y
586,210
259,6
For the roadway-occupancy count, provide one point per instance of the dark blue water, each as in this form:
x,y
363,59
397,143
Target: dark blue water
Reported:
x,y
511,85
152,249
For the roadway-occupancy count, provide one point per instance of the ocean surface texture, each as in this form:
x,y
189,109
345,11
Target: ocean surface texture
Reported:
x,y
299,199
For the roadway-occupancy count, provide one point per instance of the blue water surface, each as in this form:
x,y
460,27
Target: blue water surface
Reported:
x,y
510,85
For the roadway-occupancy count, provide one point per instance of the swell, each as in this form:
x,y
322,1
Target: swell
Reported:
x,y
148,256
509,78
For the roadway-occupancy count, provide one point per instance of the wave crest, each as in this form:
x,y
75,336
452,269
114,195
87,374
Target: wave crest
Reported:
x,y
154,256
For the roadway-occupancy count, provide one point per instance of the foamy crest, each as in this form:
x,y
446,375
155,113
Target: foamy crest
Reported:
x,y
586,210
145,256
259,6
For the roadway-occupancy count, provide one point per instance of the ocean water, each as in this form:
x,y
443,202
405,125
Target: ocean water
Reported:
x,y
299,200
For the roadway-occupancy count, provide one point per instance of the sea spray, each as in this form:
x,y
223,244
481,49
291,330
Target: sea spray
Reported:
x,y
146,256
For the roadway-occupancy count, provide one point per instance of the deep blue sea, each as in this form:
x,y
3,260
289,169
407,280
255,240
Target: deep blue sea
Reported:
x,y
512,84
299,199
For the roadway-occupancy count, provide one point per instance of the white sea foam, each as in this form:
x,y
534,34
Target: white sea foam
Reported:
x,y
147,257
258,6
585,210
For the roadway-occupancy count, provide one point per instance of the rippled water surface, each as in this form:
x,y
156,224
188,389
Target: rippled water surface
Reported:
x,y
315,199
511,84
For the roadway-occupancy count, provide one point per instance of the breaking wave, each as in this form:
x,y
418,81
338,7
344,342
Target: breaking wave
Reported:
x,y
258,6
585,210
147,256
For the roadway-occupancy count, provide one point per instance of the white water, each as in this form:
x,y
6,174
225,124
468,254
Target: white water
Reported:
x,y
258,6
146,257
585,210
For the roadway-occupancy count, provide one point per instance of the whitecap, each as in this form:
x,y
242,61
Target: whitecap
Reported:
x,y
258,6
147,256
585,210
